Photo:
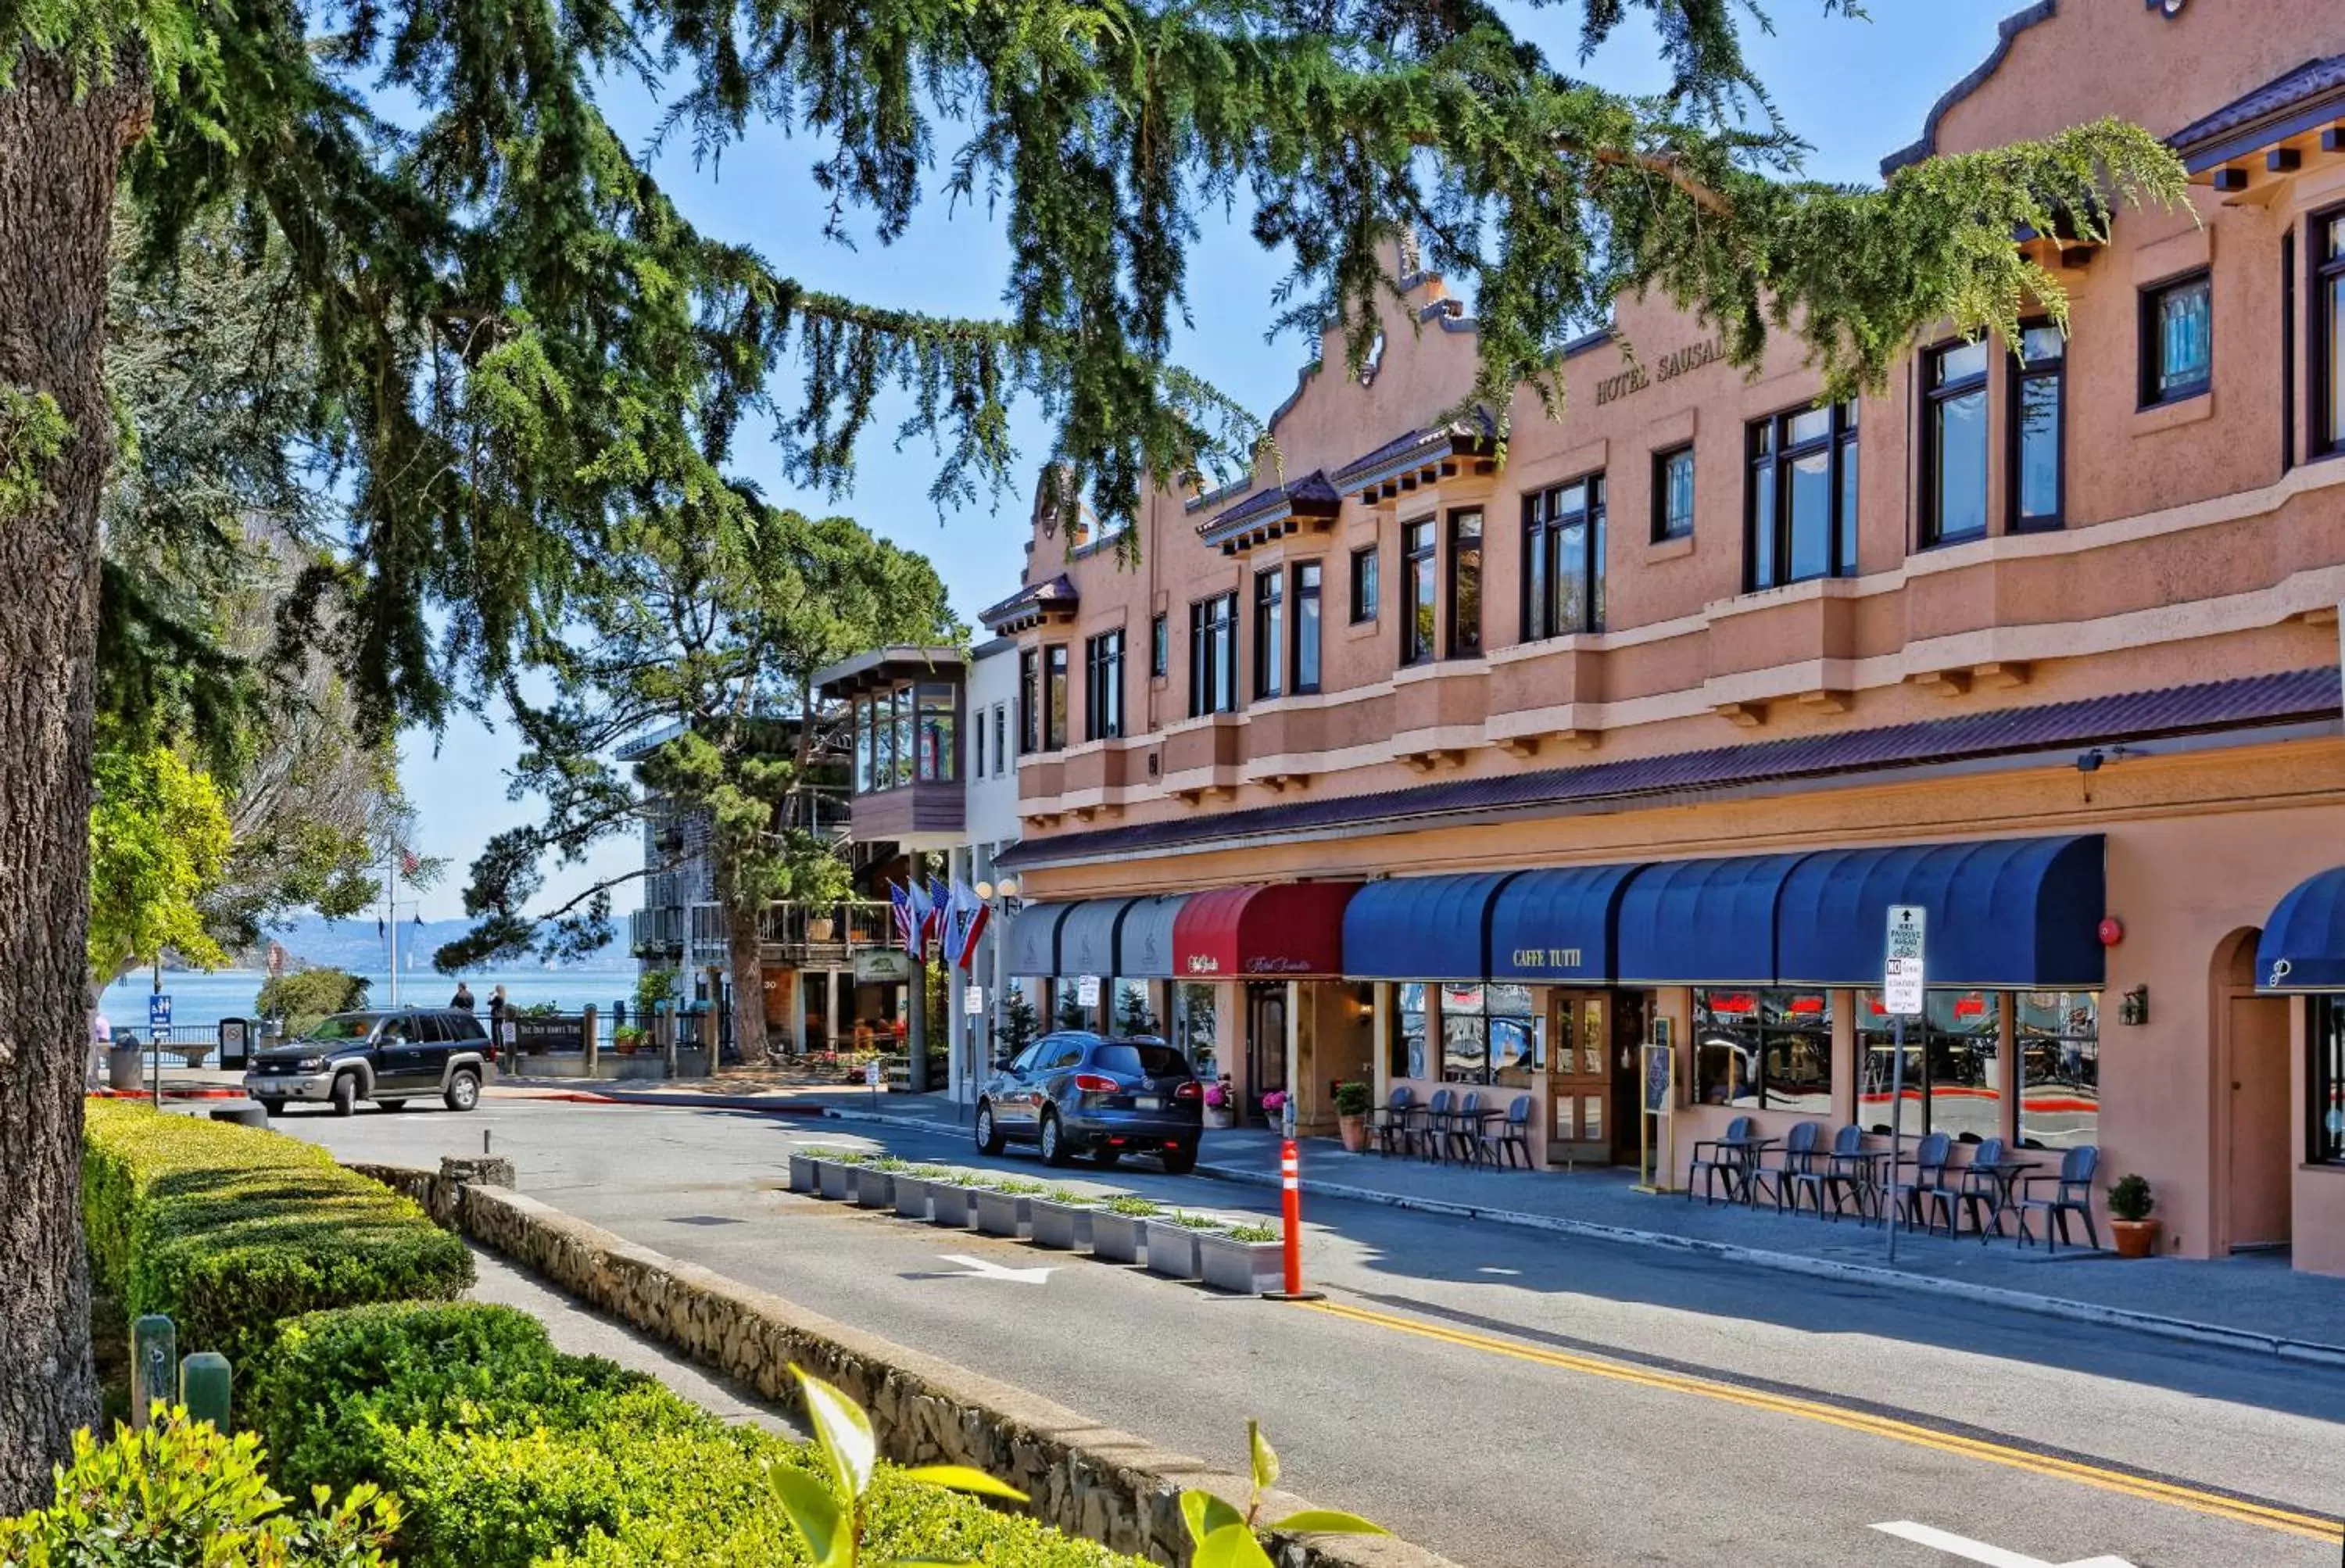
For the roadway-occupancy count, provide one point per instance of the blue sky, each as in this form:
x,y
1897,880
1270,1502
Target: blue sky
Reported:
x,y
1855,88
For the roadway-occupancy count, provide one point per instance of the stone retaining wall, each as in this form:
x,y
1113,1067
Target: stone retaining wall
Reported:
x,y
1085,1478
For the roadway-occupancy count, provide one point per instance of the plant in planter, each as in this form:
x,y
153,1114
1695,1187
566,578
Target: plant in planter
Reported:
x,y
875,1182
835,1174
953,1201
1172,1242
1062,1218
2130,1201
1274,1108
1220,1103
626,1039
1120,1229
1246,1259
1005,1207
1352,1103
912,1186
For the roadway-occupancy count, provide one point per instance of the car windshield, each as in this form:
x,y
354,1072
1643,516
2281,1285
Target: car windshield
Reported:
x,y
1139,1060
344,1026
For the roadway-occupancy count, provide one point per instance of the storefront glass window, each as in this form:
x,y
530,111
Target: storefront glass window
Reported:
x,y
1465,1041
1133,1014
1192,1027
1409,1056
2060,1058
1954,1064
1767,1050
1490,1035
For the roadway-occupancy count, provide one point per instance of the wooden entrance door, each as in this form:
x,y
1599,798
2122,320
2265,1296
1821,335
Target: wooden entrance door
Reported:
x,y
2258,1093
1579,1129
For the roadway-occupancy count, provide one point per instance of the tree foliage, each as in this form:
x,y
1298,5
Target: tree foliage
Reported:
x,y
159,843
300,997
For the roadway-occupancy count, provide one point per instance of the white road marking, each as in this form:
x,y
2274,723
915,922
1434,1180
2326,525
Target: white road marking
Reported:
x,y
1972,1551
982,1268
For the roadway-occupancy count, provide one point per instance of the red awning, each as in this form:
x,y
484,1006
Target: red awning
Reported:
x,y
1273,929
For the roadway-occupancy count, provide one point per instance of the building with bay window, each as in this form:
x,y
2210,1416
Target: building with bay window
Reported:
x,y
1633,738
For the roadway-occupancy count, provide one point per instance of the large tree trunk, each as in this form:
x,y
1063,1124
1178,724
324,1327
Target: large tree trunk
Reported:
x,y
57,160
741,953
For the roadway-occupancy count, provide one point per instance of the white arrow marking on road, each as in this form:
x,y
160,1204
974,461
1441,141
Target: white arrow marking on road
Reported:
x,y
980,1269
1980,1552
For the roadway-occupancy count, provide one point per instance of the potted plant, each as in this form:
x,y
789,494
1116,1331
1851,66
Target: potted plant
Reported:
x,y
1352,1103
1120,1229
819,927
1221,1102
1005,1205
1274,1107
1172,1242
835,1176
626,1037
1246,1259
912,1188
1062,1218
2130,1201
953,1201
875,1183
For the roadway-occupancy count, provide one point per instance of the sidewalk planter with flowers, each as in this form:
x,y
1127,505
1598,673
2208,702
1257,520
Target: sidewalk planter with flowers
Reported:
x,y
875,1184
1062,1219
1172,1242
2130,1201
1274,1108
1352,1103
912,1189
1221,1102
835,1176
953,1201
1120,1229
1246,1259
1004,1208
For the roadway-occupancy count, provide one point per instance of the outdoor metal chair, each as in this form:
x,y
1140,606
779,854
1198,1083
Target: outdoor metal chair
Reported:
x,y
1800,1155
1980,1192
1829,1171
1716,1158
2072,1193
1927,1191
1433,1125
1466,1128
1505,1134
1391,1125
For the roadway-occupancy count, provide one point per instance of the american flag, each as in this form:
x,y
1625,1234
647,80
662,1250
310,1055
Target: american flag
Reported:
x,y
408,864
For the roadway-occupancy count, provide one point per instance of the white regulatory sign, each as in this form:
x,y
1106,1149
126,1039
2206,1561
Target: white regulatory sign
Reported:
x,y
972,1002
1901,972
1087,991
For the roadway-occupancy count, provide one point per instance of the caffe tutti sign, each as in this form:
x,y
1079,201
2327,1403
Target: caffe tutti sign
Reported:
x,y
1668,367
1547,958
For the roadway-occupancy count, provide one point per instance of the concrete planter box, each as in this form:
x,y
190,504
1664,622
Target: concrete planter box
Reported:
x,y
1002,1213
1171,1249
912,1196
1062,1225
952,1206
834,1181
1117,1238
1248,1267
874,1189
805,1175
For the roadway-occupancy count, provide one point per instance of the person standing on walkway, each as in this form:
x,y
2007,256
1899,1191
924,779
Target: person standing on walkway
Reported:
x,y
497,1046
463,1001
101,1040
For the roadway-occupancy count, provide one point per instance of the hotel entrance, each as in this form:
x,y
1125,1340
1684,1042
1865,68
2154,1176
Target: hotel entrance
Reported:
x,y
1591,1080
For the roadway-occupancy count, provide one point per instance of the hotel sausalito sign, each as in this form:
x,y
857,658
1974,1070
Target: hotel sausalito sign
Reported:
x,y
1668,367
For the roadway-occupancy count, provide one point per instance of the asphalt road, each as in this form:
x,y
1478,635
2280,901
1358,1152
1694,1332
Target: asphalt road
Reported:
x,y
1509,1398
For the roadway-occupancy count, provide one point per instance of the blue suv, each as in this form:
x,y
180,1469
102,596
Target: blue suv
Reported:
x,y
1074,1093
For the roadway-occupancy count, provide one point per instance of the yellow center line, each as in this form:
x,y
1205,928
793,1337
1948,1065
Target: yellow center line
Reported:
x,y
2239,1510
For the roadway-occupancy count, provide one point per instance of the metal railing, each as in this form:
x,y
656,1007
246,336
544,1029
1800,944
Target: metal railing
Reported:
x,y
809,936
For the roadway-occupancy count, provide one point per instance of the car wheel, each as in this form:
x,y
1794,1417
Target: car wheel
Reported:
x,y
1054,1142
989,1137
273,1108
346,1094
464,1090
1180,1159
1106,1159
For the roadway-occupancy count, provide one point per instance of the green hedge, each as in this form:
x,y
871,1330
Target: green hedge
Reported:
x,y
232,1230
506,1454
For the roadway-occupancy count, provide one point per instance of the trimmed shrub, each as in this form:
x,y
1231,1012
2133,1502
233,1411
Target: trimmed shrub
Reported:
x,y
233,1230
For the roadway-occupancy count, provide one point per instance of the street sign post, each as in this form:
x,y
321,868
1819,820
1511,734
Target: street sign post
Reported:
x,y
1087,991
1902,991
158,1029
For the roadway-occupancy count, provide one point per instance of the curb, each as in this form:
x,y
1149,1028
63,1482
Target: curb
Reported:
x,y
192,1091
685,1102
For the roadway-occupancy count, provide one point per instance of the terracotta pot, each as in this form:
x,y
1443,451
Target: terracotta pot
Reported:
x,y
1355,1134
818,930
2134,1237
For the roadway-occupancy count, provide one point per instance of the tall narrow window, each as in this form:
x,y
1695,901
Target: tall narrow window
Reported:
x,y
1365,589
1103,687
1306,627
1160,646
1465,584
2178,339
902,773
2324,1131
1269,634
977,748
1212,656
864,742
1054,735
2038,428
1673,494
2327,360
1563,560
939,706
1030,701
1954,443
1800,518
1418,590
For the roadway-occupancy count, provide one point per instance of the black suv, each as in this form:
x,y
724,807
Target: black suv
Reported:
x,y
389,1056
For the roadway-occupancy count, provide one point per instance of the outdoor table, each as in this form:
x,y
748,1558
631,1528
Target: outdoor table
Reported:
x,y
1871,1181
1746,1158
2005,1174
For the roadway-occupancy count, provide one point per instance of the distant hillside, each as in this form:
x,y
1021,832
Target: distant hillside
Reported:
x,y
356,945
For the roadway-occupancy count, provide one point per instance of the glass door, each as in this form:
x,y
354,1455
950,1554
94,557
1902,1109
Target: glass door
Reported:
x,y
1579,1078
1265,1038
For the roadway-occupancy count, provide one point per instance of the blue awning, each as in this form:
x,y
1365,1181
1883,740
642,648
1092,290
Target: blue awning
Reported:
x,y
2303,945
1087,937
1421,928
1558,925
1144,948
1702,923
1033,945
2009,913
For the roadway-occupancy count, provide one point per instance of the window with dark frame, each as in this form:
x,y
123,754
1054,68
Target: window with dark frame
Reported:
x,y
1673,494
1418,586
1160,645
1054,663
1365,586
1952,1074
938,710
1800,511
1269,633
1029,702
1465,584
2039,428
1306,662
1212,656
2178,339
2324,1132
2325,363
1001,740
1763,1049
1954,443
1563,559
1103,687
976,748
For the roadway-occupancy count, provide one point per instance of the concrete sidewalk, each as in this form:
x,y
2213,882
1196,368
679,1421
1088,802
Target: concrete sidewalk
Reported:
x,y
2255,1301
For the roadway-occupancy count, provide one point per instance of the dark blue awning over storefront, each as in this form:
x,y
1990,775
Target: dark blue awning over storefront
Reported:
x,y
2303,945
1702,923
1144,948
1087,937
2014,913
1033,945
1558,925
1421,928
